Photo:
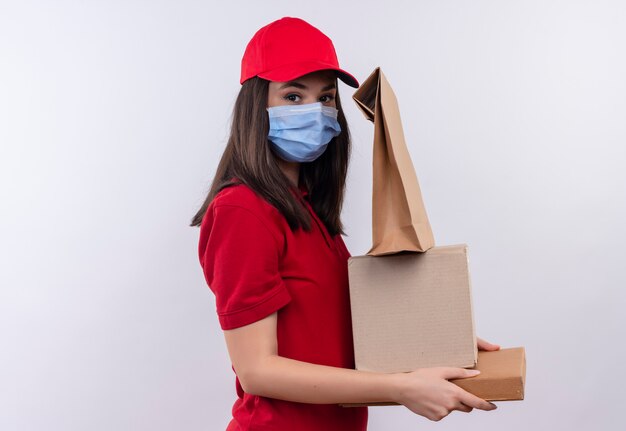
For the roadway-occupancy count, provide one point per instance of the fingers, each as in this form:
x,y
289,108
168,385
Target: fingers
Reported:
x,y
451,373
464,408
437,415
473,401
486,345
440,413
432,395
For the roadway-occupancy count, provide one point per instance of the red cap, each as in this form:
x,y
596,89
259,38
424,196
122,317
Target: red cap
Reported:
x,y
289,48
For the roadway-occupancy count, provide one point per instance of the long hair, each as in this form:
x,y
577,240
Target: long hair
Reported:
x,y
248,159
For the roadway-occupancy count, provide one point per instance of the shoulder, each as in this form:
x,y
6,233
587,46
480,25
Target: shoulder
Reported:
x,y
240,201
239,195
242,196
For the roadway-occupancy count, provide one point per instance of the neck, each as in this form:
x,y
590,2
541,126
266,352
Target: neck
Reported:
x,y
291,171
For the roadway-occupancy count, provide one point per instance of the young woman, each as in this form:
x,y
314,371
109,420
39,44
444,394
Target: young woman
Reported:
x,y
272,252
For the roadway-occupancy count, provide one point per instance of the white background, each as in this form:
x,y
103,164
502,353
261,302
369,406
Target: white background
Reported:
x,y
113,115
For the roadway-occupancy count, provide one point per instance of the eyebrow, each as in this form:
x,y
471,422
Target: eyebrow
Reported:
x,y
304,87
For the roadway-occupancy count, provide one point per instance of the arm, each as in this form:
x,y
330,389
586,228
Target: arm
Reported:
x,y
253,352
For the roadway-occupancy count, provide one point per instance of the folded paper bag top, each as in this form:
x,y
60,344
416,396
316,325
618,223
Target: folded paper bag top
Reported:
x,y
399,219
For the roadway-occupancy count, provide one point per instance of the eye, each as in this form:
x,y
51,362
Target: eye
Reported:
x,y
327,98
292,97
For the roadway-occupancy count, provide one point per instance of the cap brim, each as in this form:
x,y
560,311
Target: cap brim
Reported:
x,y
294,71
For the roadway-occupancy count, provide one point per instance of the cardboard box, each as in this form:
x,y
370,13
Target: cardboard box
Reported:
x,y
502,377
412,310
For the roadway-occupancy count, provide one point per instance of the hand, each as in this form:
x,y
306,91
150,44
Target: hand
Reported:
x,y
428,392
486,346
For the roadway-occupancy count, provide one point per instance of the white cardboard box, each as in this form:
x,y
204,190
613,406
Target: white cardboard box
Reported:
x,y
412,310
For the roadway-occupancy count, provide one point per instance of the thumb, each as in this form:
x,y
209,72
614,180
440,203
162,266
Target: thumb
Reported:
x,y
451,373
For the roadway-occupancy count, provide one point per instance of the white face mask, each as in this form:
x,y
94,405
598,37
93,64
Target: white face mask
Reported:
x,y
301,133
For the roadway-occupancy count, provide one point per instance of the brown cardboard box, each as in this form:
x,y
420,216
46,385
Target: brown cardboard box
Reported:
x,y
412,310
502,377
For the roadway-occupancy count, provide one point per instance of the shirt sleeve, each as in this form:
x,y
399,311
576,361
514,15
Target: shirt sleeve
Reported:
x,y
240,257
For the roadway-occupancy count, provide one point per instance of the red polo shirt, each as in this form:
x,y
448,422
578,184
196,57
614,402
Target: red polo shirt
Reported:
x,y
255,265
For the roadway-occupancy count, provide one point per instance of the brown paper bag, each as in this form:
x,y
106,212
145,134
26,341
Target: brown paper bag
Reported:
x,y
399,219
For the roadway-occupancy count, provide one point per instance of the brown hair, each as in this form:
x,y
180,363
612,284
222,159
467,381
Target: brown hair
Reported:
x,y
249,160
